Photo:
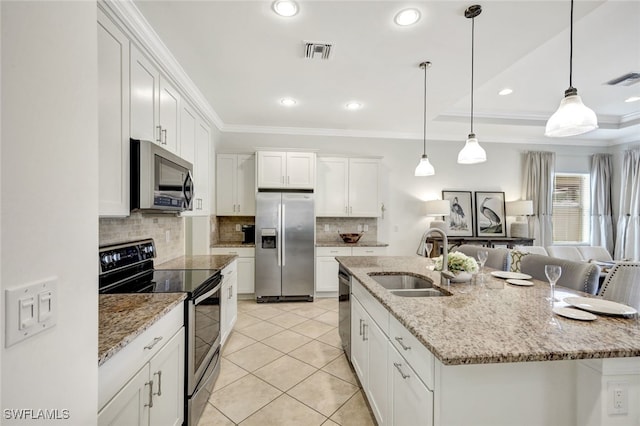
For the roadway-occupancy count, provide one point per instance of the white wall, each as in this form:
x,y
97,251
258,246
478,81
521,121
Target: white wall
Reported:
x,y
402,192
49,201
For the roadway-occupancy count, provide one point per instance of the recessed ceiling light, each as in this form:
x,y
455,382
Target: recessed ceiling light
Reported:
x,y
633,99
285,7
352,106
407,17
288,102
505,91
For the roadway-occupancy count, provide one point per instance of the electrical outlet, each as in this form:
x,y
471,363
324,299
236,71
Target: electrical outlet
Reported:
x,y
167,236
359,228
618,397
366,228
326,228
238,227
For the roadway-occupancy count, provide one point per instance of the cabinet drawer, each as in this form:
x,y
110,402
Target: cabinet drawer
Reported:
x,y
368,251
333,251
238,251
374,308
115,372
416,354
229,270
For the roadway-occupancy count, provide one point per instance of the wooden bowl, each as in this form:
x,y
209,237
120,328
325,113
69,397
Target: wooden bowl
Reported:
x,y
351,237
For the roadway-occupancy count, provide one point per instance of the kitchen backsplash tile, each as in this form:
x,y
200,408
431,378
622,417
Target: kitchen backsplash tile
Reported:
x,y
225,231
345,224
139,226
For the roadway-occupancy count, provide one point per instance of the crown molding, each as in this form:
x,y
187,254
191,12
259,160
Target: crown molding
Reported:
x,y
145,38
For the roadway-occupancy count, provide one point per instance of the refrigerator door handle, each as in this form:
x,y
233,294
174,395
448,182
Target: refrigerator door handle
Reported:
x,y
278,234
282,224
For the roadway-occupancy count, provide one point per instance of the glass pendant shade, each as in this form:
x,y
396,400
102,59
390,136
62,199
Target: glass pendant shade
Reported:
x,y
424,167
572,117
472,153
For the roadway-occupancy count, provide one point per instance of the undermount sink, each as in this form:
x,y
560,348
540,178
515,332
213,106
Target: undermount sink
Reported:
x,y
407,285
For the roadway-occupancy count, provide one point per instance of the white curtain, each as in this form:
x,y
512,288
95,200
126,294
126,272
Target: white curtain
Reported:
x,y
628,229
539,175
601,224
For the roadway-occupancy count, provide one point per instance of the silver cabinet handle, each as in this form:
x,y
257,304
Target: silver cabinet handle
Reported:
x,y
150,404
155,342
346,209
405,347
361,321
165,136
159,138
159,374
364,332
350,209
398,365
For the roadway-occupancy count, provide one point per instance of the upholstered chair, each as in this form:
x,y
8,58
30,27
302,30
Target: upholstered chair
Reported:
x,y
622,284
582,276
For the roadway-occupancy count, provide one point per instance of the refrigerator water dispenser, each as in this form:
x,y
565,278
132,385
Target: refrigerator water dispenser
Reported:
x,y
268,238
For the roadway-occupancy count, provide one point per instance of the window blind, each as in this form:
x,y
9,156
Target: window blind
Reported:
x,y
571,208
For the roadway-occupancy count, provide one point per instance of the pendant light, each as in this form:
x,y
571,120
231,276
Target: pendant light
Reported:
x,y
424,167
472,153
572,117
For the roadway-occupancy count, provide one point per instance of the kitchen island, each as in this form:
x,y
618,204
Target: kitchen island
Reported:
x,y
499,356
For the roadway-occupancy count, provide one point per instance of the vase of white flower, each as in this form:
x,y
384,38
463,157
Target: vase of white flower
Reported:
x,y
461,265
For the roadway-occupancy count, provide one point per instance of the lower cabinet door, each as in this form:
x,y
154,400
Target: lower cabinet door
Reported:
x,y
130,406
377,372
411,400
167,376
326,274
359,350
246,275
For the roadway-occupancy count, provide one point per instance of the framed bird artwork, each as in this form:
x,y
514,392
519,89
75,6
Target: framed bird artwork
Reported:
x,y
459,223
490,214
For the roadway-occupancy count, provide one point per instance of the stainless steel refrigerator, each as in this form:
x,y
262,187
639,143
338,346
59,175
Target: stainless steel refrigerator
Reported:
x,y
285,246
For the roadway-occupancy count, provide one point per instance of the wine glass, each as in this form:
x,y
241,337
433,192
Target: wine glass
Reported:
x,y
553,273
482,258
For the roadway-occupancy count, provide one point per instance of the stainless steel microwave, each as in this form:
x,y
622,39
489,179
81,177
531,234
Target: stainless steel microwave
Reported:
x,y
161,181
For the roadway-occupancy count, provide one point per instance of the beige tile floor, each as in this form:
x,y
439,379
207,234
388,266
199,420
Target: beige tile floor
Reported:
x,y
283,365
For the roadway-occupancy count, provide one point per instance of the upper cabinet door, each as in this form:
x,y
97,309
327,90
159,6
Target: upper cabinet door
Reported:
x,y
201,168
188,123
246,184
272,169
332,192
301,170
145,83
113,118
226,172
364,187
169,115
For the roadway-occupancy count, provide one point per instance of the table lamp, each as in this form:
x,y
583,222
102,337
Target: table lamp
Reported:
x,y
438,208
519,209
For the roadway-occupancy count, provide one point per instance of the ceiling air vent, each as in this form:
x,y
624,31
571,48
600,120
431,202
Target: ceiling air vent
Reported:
x,y
628,79
317,50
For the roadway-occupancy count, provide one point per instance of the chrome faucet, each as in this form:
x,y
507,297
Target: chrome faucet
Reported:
x,y
445,274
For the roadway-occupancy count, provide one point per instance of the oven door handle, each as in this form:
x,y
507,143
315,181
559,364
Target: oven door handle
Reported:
x,y
206,295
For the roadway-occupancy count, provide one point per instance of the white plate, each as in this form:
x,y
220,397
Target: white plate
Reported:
x,y
572,313
508,274
519,282
600,306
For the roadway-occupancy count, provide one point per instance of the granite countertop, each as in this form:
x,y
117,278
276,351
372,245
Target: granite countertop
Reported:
x,y
232,244
340,243
123,317
198,262
509,324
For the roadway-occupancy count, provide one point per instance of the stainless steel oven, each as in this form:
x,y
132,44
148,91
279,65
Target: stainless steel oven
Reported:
x,y
344,309
128,268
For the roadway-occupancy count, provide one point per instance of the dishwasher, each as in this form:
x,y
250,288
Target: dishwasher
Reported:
x,y
344,309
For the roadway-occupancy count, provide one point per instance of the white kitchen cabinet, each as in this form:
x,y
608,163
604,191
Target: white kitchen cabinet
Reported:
x,y
143,384
113,118
348,187
228,300
369,359
327,265
246,266
411,402
235,185
155,104
294,170
188,126
195,139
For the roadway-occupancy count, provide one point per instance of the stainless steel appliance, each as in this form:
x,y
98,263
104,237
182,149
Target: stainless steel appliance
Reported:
x,y
160,181
128,268
344,309
285,246
248,234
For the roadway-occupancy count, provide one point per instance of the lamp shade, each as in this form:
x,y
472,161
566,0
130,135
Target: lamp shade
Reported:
x,y
572,118
472,153
424,167
519,208
437,207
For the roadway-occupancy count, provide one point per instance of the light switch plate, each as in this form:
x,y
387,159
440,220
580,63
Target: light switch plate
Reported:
x,y
30,309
